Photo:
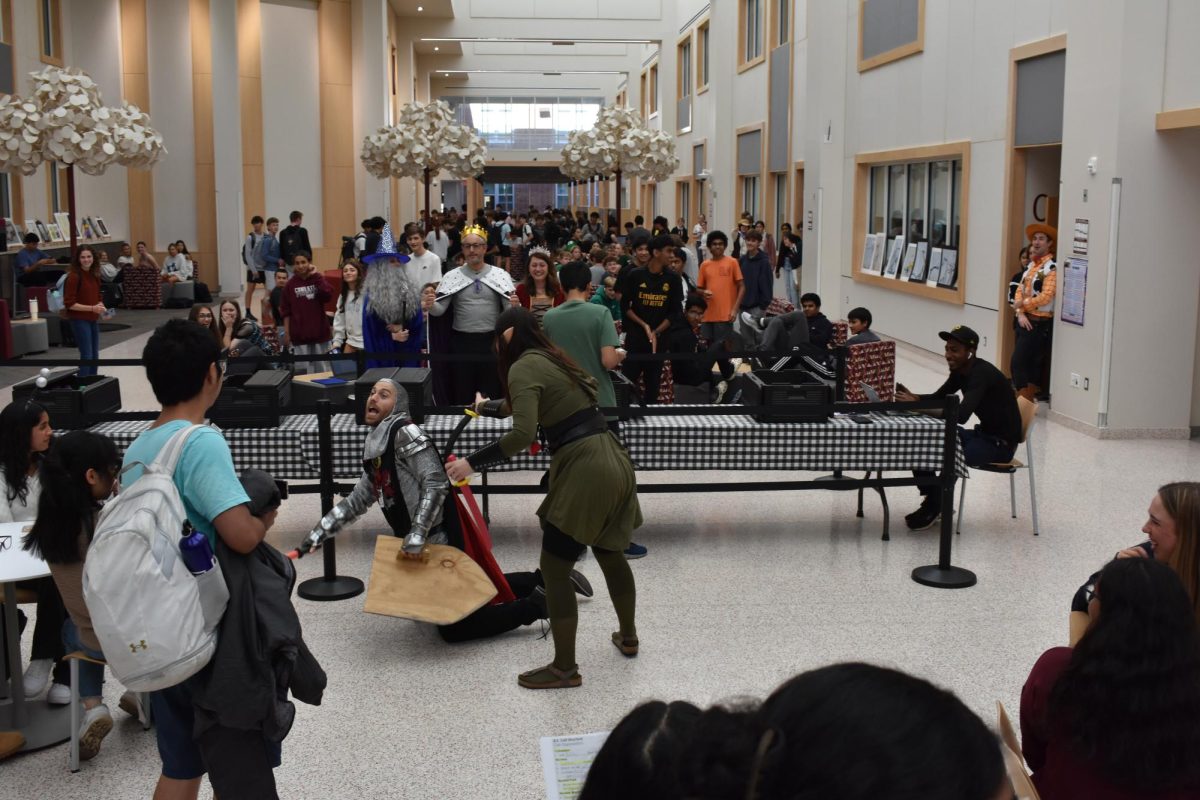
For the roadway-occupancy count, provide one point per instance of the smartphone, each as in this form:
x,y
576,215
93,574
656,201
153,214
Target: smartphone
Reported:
x,y
861,419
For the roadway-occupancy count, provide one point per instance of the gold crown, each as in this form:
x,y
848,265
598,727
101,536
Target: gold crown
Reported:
x,y
474,230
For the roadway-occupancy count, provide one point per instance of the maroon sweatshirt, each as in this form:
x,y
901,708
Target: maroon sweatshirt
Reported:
x,y
303,306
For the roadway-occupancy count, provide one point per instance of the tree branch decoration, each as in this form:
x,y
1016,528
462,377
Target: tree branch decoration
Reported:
x,y
619,144
424,141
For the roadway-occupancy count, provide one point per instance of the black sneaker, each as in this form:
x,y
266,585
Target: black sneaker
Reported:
x,y
924,517
537,599
581,584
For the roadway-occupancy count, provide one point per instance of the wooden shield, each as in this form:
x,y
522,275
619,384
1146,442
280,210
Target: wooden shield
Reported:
x,y
442,588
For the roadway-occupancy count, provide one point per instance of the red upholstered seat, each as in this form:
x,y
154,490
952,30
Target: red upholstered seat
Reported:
x,y
872,363
666,386
142,289
334,276
779,305
5,331
841,332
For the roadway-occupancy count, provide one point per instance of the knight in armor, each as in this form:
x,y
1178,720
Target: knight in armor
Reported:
x,y
404,474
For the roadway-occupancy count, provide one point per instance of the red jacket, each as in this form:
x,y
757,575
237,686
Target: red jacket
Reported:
x,y
524,296
303,307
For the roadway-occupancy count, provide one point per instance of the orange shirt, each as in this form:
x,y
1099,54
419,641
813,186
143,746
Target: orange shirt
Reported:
x,y
721,277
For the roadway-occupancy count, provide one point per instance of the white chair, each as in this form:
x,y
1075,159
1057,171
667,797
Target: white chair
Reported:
x,y
77,708
1028,414
1014,763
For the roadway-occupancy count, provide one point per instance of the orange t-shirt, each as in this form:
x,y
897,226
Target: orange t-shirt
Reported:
x,y
720,276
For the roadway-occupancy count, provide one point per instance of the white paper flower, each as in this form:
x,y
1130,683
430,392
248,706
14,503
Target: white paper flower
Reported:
x,y
619,141
20,136
425,137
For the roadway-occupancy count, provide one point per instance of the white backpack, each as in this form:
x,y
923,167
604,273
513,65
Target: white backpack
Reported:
x,y
156,622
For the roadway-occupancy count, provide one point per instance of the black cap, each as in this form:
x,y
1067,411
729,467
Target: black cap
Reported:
x,y
961,333
262,490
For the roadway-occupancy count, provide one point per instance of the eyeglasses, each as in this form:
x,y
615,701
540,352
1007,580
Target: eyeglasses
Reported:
x,y
1089,592
474,246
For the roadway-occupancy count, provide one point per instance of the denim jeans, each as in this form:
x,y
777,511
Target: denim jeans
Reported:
x,y
789,279
87,336
91,676
979,449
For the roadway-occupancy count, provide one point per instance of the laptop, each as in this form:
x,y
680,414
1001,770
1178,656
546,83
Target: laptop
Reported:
x,y
873,397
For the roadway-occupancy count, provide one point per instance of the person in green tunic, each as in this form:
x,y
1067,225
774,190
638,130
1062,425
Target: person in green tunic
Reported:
x,y
592,498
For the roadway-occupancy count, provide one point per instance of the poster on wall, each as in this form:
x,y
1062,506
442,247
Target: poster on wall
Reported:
x,y
935,267
918,271
868,255
910,261
1079,242
1074,292
948,277
893,257
880,249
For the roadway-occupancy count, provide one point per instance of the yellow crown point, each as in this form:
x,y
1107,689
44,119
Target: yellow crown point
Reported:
x,y
474,230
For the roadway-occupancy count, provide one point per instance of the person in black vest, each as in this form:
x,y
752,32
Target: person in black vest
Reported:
x,y
986,393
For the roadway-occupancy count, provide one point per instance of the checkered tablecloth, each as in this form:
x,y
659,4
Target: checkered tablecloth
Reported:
x,y
899,443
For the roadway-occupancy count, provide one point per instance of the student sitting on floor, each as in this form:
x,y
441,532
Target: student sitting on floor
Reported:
x,y
1118,717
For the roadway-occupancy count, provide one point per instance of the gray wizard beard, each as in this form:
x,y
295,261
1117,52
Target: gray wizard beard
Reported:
x,y
390,294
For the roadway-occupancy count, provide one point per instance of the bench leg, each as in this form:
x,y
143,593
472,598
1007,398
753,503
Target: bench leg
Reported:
x,y
73,758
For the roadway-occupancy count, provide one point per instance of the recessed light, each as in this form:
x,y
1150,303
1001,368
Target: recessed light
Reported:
x,y
420,8
436,49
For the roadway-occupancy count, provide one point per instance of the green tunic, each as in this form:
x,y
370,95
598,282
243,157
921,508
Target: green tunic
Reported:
x,y
593,491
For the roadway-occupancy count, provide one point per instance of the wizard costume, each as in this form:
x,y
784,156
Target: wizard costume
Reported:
x,y
391,299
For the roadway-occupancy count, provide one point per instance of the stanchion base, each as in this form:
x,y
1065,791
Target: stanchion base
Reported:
x,y
951,578
337,588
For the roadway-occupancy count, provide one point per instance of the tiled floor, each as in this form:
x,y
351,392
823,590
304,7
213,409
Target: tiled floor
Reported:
x,y
738,593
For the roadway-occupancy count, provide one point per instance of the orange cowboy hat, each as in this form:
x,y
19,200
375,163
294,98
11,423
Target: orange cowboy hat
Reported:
x,y
1041,227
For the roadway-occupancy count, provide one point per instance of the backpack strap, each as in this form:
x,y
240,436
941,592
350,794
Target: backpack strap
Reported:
x,y
168,458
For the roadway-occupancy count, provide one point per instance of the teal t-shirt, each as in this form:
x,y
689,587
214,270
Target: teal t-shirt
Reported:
x,y
205,477
581,329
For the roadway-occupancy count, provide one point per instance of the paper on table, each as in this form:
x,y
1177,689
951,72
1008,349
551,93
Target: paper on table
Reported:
x,y
566,761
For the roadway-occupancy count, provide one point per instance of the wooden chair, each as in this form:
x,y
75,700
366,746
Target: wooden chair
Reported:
x,y
1028,414
77,708
1014,762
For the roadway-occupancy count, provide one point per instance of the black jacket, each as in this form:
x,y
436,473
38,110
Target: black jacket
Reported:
x,y
293,239
261,654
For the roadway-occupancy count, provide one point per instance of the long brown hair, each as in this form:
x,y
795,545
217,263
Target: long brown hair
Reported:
x,y
527,335
1181,501
194,316
552,285
78,269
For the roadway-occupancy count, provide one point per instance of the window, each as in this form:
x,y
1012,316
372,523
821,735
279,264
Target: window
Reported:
x,y
500,195
702,56
8,69
653,87
50,28
562,195
750,45
780,216
683,206
643,103
525,123
750,195
56,178
685,68
889,30
783,21
917,194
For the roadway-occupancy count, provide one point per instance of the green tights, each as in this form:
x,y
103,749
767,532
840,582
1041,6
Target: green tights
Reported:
x,y
564,611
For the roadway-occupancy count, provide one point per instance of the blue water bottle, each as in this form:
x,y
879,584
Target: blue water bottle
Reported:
x,y
196,552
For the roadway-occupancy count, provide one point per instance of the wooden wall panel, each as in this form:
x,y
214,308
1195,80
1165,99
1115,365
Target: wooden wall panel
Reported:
x,y
250,95
136,80
205,248
337,127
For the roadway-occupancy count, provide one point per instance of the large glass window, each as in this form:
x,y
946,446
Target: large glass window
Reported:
x,y
918,200
897,194
525,123
499,195
685,68
939,202
752,29
562,195
783,21
702,44
685,201
50,23
750,195
878,221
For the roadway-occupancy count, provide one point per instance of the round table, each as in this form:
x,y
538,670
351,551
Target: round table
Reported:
x,y
41,724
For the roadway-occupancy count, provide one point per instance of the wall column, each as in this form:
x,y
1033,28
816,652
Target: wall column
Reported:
x,y
337,128
249,44
136,82
205,248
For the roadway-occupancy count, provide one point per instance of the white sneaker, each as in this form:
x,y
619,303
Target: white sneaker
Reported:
x,y
722,388
97,723
59,695
748,319
37,675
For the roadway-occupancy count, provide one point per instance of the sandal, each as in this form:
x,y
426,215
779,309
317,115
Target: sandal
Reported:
x,y
628,647
550,677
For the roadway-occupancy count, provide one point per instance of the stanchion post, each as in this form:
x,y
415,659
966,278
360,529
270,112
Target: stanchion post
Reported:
x,y
330,586
944,575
